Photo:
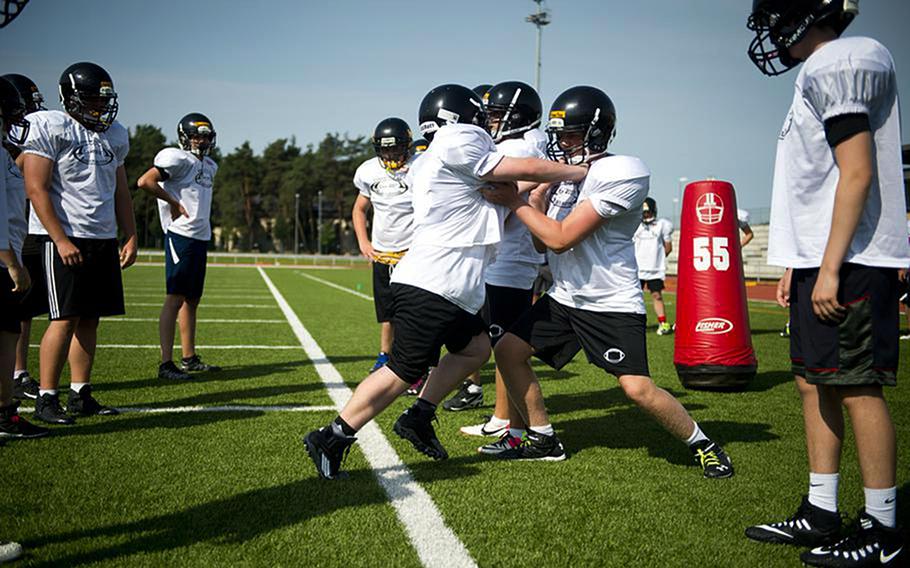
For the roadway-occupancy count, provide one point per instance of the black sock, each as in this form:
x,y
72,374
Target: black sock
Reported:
x,y
425,405
343,426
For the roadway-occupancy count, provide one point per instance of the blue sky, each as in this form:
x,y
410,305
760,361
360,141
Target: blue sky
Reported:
x,y
689,101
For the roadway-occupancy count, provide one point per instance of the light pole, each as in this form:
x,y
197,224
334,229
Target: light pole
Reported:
x,y
539,19
677,203
296,223
319,223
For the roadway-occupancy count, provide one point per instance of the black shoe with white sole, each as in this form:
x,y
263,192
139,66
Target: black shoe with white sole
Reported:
x,y
868,543
536,446
328,451
416,426
714,461
809,526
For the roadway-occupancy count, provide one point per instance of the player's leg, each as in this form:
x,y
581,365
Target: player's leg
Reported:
x,y
383,302
52,355
167,324
663,326
32,305
81,360
190,281
24,385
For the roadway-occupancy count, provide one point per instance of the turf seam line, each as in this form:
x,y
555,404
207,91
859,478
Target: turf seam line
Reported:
x,y
337,286
435,543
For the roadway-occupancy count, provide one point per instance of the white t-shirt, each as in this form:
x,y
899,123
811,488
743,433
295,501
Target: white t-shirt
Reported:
x,y
456,229
538,138
649,248
600,273
516,262
84,177
846,76
393,212
742,217
189,180
16,204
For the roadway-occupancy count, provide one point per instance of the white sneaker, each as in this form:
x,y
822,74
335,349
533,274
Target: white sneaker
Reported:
x,y
484,429
9,551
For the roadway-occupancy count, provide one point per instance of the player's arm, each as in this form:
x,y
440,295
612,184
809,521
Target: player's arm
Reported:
x,y
149,182
123,208
359,215
534,170
17,273
748,234
37,171
668,247
855,162
558,236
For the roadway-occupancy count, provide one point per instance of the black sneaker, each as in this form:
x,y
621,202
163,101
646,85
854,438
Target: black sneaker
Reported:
x,y
416,426
169,371
82,403
25,387
809,526
464,399
14,426
48,409
714,461
195,365
536,446
328,450
869,543
414,389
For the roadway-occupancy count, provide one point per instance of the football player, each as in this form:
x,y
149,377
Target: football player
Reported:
x,y
438,286
514,109
14,278
381,184
742,219
181,179
596,302
653,244
34,302
837,225
76,182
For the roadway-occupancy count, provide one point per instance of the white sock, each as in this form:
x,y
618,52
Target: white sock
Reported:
x,y
474,389
19,372
517,432
546,429
697,435
823,490
496,423
42,392
77,386
881,504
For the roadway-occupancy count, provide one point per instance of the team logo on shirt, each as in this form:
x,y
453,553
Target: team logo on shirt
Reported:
x,y
93,154
614,355
203,177
714,326
388,187
788,122
710,209
565,196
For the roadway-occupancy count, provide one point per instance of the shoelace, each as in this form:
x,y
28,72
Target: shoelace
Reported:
x,y
707,458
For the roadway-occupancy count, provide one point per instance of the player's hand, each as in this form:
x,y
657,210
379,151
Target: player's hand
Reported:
x,y
366,249
502,193
538,196
783,289
19,275
69,253
178,210
128,253
824,297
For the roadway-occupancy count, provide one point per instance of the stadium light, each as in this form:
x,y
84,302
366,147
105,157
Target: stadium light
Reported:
x,y
677,203
539,19
296,223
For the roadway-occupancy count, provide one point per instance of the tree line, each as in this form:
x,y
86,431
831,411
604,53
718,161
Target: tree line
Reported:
x,y
254,195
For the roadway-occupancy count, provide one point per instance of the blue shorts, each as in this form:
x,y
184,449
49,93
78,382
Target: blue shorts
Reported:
x,y
184,265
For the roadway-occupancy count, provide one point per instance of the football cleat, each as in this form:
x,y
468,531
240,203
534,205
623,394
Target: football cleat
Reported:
x,y
48,409
484,429
25,387
505,442
535,446
714,461
82,403
381,360
664,329
328,451
808,526
195,365
415,388
169,371
14,426
464,399
416,426
869,543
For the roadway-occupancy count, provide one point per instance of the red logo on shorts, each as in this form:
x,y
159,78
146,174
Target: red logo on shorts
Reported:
x,y
714,326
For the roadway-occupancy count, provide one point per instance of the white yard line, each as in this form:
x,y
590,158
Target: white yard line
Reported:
x,y
208,305
202,320
203,347
227,408
336,286
435,543
130,293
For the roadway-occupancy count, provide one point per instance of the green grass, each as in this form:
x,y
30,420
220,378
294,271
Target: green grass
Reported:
x,y
238,489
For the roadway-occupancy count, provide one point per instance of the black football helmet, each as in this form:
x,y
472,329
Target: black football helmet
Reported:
x,y
196,135
481,90
419,146
392,143
28,90
781,24
450,104
513,108
13,125
649,210
586,113
87,94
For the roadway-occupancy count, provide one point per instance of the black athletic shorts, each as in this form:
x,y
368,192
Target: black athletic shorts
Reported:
x,y
184,265
90,290
860,350
34,303
613,341
655,285
382,292
503,307
904,288
424,322
10,303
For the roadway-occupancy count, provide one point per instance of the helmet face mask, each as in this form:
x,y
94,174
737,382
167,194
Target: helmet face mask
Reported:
x,y
196,135
450,104
582,123
392,143
87,94
781,24
512,108
13,125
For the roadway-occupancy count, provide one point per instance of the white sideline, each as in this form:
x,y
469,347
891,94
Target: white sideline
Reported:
x,y
204,347
202,320
227,408
336,286
435,543
238,296
207,305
